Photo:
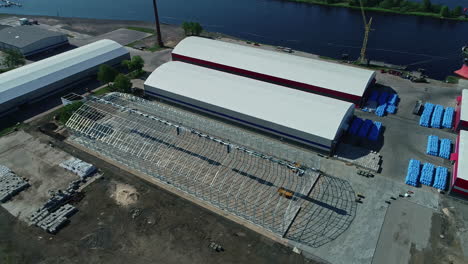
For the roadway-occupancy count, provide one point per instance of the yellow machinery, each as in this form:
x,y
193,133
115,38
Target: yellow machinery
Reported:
x,y
285,193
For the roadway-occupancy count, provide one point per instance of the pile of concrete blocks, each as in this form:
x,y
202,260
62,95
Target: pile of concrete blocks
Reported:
x,y
361,157
10,184
52,222
79,167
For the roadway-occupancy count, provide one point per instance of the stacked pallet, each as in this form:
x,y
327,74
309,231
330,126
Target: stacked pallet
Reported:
x,y
355,125
375,131
427,174
437,116
393,99
426,115
380,110
445,148
412,176
432,145
383,98
440,181
10,184
448,117
391,109
364,130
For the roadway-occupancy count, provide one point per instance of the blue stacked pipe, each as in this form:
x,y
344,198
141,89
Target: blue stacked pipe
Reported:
x,y
373,97
445,148
427,174
364,130
440,181
380,111
391,109
375,131
383,98
426,115
448,117
393,99
355,125
412,176
432,147
437,116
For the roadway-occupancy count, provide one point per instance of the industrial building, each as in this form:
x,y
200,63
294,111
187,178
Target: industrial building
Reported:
x,y
30,40
310,119
45,77
461,116
460,167
333,80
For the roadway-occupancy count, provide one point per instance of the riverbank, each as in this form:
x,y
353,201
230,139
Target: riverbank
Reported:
x,y
381,10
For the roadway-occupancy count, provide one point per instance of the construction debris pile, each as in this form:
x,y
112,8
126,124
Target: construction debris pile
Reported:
x,y
55,212
79,167
10,184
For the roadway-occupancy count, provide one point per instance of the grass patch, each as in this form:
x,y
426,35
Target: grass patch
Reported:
x,y
102,91
64,113
154,48
146,30
12,128
452,79
327,58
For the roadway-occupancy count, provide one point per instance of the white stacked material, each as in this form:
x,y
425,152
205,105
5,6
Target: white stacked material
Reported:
x,y
51,222
10,184
79,167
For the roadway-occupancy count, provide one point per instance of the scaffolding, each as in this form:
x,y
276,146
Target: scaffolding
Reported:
x,y
229,176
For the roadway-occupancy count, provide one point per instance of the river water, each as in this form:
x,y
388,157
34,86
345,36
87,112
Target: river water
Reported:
x,y
419,42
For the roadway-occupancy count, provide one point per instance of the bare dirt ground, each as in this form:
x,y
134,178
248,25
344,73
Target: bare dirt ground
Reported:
x,y
123,219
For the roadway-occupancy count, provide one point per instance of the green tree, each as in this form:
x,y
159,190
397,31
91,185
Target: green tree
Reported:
x,y
197,29
186,27
192,28
444,12
135,64
106,74
457,11
427,5
387,4
13,58
122,84
67,111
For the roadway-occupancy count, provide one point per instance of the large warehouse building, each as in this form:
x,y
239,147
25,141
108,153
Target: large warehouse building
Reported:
x,y
309,119
461,116
334,80
30,40
40,79
460,168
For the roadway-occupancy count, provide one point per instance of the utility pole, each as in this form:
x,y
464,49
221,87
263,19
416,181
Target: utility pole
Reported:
x,y
158,28
367,29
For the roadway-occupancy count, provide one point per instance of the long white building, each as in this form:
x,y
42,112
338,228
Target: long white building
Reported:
x,y
45,77
333,80
309,119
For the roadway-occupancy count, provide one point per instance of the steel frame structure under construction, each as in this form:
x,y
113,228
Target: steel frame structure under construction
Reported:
x,y
266,191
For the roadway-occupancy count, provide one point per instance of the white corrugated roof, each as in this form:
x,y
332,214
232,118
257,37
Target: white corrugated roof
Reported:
x,y
310,113
462,172
33,76
332,76
464,106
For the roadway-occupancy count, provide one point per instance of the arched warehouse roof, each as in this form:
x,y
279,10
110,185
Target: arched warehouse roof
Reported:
x,y
330,79
307,118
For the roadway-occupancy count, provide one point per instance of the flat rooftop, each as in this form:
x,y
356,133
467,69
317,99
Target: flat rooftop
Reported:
x,y
23,36
332,76
310,113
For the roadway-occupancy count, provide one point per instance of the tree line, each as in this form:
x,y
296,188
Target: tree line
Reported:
x,y
403,6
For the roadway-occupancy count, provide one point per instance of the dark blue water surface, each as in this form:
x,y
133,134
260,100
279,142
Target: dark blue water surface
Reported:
x,y
419,42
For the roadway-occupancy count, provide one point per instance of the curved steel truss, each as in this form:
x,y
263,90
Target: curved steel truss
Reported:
x,y
266,191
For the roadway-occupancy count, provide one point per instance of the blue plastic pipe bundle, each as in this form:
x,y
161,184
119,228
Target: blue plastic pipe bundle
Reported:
x,y
445,148
440,181
412,177
375,131
393,99
437,116
448,117
365,128
427,174
380,111
391,109
355,125
373,97
432,145
383,98
426,115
